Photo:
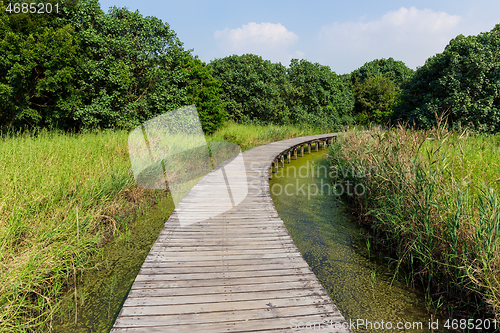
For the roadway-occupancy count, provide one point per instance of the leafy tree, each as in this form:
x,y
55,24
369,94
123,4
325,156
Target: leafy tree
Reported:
x,y
322,95
463,81
83,68
376,86
258,90
395,70
253,89
130,69
375,98
204,91
37,69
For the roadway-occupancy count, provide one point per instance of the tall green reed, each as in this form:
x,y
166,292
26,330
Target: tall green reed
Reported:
x,y
44,176
431,204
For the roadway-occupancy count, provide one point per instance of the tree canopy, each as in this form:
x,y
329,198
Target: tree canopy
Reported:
x,y
395,70
462,82
254,89
83,68
261,91
376,86
322,96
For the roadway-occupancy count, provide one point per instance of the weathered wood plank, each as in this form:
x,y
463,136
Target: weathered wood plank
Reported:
x,y
227,282
277,262
223,274
282,325
223,297
219,317
283,288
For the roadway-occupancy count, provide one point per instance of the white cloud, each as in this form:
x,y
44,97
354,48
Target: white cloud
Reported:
x,y
269,40
408,34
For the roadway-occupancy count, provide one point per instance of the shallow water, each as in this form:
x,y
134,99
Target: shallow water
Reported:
x,y
359,283
104,290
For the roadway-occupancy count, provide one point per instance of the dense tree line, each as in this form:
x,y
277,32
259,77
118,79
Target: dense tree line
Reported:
x,y
256,90
462,83
83,68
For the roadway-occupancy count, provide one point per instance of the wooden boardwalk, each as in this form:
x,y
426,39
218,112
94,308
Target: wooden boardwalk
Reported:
x,y
235,272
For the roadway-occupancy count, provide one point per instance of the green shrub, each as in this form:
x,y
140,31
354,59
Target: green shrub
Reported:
x,y
375,98
376,86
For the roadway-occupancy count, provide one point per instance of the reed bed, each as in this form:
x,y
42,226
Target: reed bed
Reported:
x,y
63,197
432,202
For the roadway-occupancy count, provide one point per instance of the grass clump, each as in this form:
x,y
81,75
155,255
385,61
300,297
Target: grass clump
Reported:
x,y
431,199
46,179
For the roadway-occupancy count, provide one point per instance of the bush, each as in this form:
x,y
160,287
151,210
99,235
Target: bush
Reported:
x,y
376,86
375,98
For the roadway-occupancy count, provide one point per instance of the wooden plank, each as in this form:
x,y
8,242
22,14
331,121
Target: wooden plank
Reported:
x,y
282,325
167,257
219,317
200,307
237,271
223,297
262,266
194,247
185,241
222,274
226,282
296,261
213,291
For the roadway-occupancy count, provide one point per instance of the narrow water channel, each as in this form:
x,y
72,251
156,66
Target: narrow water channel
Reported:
x,y
359,284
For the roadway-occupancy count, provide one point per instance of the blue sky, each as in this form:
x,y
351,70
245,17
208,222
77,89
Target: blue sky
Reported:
x,y
341,34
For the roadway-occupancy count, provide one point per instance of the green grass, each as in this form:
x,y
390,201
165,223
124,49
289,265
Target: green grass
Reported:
x,y
44,178
432,202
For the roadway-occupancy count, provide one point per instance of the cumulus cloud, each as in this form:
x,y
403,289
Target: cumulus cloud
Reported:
x,y
269,40
408,34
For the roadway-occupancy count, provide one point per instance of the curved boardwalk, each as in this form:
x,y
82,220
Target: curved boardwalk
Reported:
x,y
236,272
